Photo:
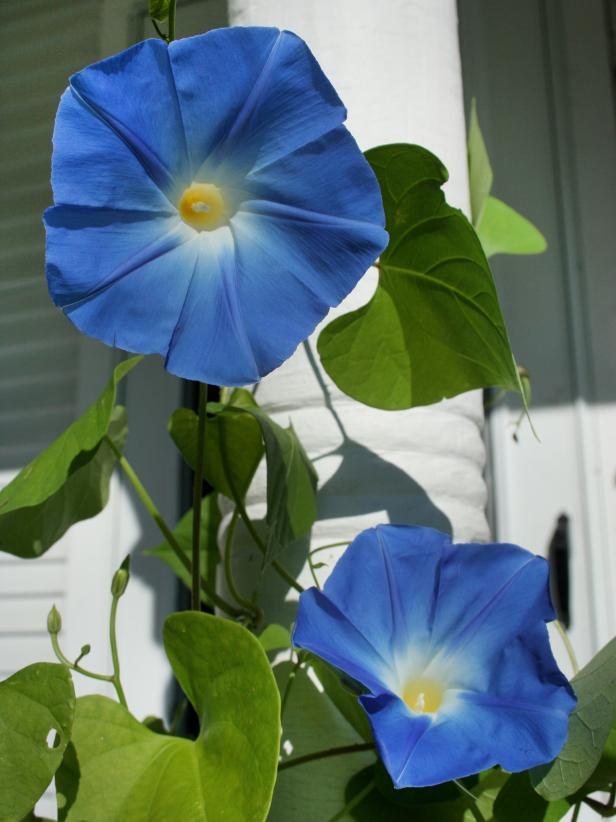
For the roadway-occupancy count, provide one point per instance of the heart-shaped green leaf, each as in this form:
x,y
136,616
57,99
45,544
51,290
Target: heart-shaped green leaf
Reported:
x,y
312,792
37,705
230,431
69,481
433,328
117,770
589,727
210,555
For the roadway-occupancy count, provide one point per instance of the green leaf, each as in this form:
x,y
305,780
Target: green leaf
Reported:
x,y
231,430
479,168
275,638
37,705
117,770
589,727
69,481
517,800
159,10
342,697
235,439
210,555
433,328
604,775
504,231
291,484
313,792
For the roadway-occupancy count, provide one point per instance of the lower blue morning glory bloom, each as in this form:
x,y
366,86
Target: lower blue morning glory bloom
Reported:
x,y
210,205
451,643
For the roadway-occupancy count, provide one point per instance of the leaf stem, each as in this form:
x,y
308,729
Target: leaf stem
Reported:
x,y
171,35
228,567
352,803
330,545
472,800
73,666
151,508
568,646
195,599
115,658
312,757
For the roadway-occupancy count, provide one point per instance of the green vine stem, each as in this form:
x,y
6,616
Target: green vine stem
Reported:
x,y
289,685
195,598
171,35
115,658
151,508
55,644
312,757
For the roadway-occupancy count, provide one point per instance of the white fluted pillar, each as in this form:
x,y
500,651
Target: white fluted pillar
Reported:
x,y
396,66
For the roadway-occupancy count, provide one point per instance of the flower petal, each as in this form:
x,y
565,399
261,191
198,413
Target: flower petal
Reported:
x,y
210,341
107,270
134,94
392,599
520,721
488,595
321,628
93,167
214,75
396,731
264,93
292,266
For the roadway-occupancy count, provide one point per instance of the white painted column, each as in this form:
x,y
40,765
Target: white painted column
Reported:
x,y
396,67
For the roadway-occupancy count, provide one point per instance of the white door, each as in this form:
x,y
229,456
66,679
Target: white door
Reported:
x,y
541,74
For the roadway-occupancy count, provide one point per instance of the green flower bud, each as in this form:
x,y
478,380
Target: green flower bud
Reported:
x,y
54,621
120,579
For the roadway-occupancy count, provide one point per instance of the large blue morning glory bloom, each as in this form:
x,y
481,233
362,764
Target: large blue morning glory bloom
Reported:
x,y
452,645
209,204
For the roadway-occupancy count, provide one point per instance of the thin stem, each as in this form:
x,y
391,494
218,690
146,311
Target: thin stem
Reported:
x,y
330,545
195,599
228,567
312,757
359,797
472,800
73,666
576,812
313,571
160,33
568,646
171,35
289,685
239,504
114,652
151,508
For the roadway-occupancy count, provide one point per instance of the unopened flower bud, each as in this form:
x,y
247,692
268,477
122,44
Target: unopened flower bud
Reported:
x,y
54,621
120,579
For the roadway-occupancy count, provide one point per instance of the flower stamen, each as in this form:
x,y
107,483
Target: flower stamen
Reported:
x,y
203,207
423,695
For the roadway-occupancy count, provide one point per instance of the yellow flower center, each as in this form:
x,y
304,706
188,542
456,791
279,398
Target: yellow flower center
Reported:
x,y
423,696
203,207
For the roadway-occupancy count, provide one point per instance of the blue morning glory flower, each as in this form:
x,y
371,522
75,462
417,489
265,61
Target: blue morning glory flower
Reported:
x,y
209,204
451,643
